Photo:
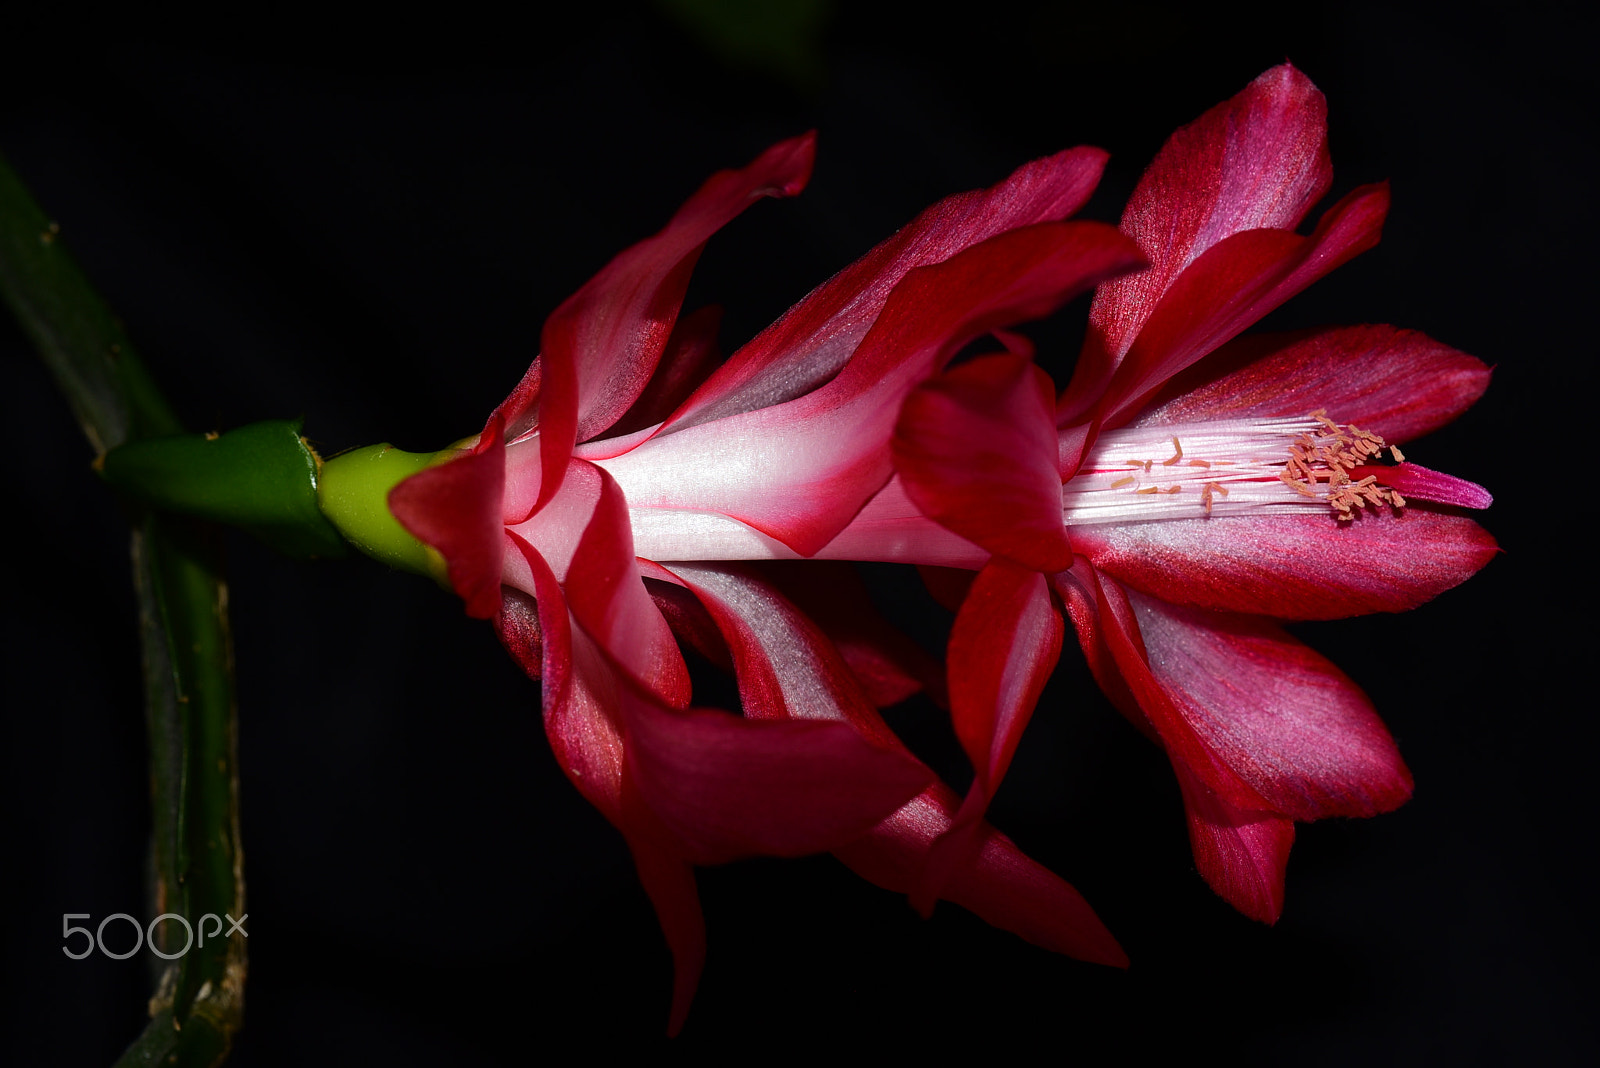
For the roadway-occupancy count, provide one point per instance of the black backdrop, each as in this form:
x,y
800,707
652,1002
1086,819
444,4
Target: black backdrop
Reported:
x,y
365,224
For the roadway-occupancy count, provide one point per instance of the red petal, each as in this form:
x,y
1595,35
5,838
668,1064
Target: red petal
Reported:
x,y
456,508
947,585
976,450
609,601
1400,383
689,620
1118,628
580,691
1282,717
801,470
1231,286
1240,848
1240,853
1005,643
786,669
1293,567
889,666
890,528
600,347
815,338
669,880
1002,884
517,624
729,787
1256,161
690,357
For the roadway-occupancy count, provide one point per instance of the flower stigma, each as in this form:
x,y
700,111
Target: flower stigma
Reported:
x,y
1229,467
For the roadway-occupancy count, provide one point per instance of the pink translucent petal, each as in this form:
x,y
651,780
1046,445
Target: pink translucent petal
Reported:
x,y
1242,854
1230,287
975,448
799,471
1256,161
1293,567
1282,717
456,508
1400,383
815,338
601,346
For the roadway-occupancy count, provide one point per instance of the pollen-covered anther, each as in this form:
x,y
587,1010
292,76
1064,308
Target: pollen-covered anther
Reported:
x,y
1126,481
1330,460
1177,454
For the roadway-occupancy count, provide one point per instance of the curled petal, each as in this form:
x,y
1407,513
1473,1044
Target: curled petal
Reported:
x,y
1005,643
1005,887
601,346
1117,628
889,666
976,450
729,787
816,337
690,357
1241,854
1256,161
456,508
609,600
1293,567
1231,286
800,471
668,879
787,669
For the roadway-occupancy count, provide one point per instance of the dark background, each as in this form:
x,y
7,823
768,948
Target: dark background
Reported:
x,y
365,224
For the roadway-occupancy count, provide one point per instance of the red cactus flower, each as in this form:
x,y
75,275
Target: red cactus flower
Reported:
x,y
621,442
1187,491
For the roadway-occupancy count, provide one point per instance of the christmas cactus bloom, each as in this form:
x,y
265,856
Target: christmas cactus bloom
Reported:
x,y
626,448
1189,490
